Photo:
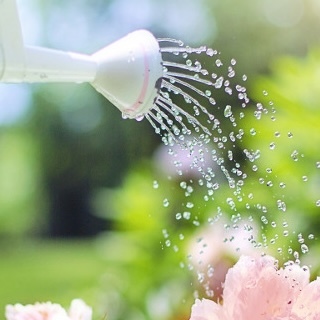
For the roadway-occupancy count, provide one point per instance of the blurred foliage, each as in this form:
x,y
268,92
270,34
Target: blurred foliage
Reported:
x,y
143,276
21,198
49,271
287,135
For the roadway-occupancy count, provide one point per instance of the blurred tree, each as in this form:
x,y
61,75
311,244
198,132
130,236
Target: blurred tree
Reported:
x,y
85,145
21,197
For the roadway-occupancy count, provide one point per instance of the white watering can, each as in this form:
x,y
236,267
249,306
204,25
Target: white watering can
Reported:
x,y
125,72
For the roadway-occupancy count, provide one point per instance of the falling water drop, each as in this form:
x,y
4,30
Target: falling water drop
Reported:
x,y
311,236
227,111
272,146
140,117
219,63
166,203
304,248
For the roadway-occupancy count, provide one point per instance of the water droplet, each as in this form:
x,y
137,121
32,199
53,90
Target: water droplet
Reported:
x,y
264,219
204,72
233,61
183,184
281,205
212,101
227,111
318,164
155,184
294,155
244,77
290,134
318,203
219,82
186,215
140,117
269,183
304,248
300,238
165,233
189,63
166,202
272,146
189,205
228,91
231,72
210,52
124,116
219,63
253,131
304,178
311,236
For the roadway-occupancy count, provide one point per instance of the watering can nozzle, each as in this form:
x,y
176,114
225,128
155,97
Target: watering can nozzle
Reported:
x,y
125,72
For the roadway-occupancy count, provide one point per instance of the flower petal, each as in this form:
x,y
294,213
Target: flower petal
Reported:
x,y
307,306
38,311
79,310
255,289
206,310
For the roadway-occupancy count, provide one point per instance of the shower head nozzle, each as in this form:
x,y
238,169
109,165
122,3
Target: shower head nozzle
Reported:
x,y
128,71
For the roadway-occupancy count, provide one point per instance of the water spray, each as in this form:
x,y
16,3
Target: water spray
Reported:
x,y
126,72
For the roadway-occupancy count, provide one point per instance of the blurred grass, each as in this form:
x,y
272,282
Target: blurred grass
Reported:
x,y
45,270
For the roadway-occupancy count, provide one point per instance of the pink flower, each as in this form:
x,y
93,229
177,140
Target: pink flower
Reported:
x,y
256,290
49,311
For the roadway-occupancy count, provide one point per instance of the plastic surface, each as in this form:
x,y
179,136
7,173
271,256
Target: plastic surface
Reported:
x,y
128,71
125,72
11,42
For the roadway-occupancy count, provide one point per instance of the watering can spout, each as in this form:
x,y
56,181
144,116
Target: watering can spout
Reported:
x,y
125,72
47,65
